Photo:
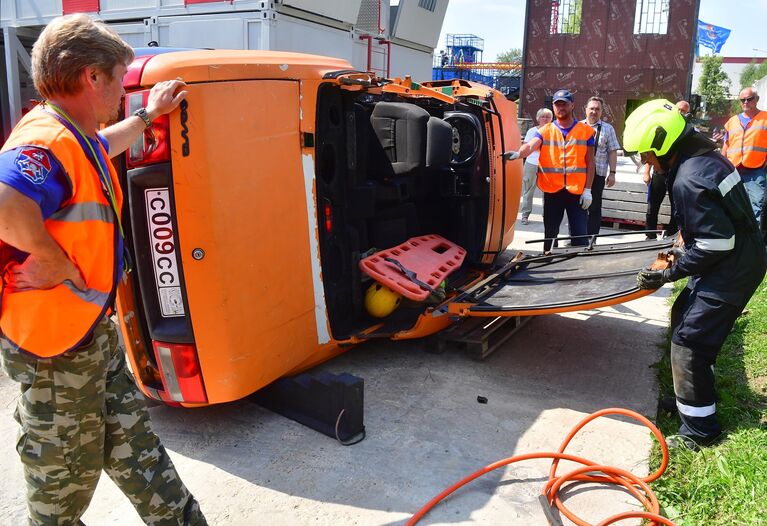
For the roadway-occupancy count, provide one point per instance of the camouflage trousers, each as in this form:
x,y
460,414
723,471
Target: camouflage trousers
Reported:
x,y
79,413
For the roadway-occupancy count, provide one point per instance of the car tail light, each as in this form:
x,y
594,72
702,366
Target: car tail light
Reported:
x,y
328,212
152,146
132,78
180,369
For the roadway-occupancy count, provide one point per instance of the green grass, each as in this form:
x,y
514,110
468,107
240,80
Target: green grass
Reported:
x,y
725,484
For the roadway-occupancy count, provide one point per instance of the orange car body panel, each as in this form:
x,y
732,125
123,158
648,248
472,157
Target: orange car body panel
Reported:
x,y
462,309
246,195
237,292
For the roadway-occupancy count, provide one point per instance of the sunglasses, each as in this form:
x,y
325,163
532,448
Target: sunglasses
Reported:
x,y
748,99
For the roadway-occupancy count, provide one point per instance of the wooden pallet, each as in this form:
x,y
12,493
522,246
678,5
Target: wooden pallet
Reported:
x,y
624,223
626,203
480,337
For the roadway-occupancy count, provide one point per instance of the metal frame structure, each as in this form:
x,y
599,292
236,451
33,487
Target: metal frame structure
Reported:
x,y
471,65
361,31
16,57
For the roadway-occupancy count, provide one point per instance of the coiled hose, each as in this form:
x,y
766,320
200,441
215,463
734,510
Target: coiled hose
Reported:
x,y
638,487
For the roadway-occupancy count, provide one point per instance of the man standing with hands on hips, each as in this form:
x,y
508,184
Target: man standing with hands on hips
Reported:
x,y
566,170
62,254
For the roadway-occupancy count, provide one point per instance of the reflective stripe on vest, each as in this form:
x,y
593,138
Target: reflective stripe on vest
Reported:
x,y
53,321
562,163
83,212
747,147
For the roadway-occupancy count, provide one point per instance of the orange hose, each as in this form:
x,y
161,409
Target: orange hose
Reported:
x,y
610,475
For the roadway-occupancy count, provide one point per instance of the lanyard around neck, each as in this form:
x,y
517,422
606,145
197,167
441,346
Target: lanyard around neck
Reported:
x,y
106,180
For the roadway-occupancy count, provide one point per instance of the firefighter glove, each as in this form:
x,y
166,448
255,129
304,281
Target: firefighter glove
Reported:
x,y
676,253
511,156
652,279
586,198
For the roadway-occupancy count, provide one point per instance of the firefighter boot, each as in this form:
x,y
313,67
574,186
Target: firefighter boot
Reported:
x,y
693,374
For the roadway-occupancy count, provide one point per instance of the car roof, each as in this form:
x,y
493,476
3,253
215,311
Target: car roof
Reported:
x,y
157,50
210,65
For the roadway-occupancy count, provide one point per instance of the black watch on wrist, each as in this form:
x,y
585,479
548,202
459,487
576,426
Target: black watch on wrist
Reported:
x,y
142,114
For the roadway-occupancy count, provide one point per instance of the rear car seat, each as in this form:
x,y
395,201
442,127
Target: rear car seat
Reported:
x,y
417,147
401,132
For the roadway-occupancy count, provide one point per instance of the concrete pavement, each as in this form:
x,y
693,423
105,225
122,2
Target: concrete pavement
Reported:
x,y
425,430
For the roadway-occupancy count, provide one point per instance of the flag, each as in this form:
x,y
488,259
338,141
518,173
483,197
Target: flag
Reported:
x,y
712,36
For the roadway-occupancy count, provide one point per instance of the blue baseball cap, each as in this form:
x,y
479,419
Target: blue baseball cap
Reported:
x,y
563,94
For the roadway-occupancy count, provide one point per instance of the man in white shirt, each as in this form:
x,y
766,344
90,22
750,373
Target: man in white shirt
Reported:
x,y
543,116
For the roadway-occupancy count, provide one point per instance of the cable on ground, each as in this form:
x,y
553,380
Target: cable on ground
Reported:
x,y
356,439
590,472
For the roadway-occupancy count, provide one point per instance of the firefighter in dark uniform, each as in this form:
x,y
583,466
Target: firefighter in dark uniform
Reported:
x,y
724,256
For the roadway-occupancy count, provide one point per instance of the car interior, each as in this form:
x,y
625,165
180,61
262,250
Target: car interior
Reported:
x,y
387,171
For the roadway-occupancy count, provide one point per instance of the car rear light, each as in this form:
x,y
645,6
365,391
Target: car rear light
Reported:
x,y
132,78
328,212
180,369
152,146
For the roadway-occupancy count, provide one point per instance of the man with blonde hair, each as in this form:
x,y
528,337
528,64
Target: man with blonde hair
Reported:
x,y
542,117
62,254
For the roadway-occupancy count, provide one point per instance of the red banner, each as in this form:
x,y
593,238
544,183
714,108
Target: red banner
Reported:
x,y
189,2
80,6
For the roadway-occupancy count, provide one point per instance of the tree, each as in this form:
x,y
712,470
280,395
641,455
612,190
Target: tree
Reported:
x,y
573,23
752,73
714,86
512,55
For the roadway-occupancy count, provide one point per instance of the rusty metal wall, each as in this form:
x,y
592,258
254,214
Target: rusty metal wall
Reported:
x,y
607,58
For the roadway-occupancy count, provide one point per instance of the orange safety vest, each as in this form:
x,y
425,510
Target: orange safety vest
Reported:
x,y
562,163
53,321
747,147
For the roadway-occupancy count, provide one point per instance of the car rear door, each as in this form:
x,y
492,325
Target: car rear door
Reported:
x,y
240,202
565,281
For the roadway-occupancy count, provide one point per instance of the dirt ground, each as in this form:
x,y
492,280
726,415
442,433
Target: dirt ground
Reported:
x,y
425,430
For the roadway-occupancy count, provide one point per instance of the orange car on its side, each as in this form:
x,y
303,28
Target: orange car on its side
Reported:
x,y
249,208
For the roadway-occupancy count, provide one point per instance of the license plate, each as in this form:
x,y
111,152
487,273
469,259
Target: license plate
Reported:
x,y
162,241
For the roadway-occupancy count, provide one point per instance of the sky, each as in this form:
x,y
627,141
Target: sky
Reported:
x,y
501,24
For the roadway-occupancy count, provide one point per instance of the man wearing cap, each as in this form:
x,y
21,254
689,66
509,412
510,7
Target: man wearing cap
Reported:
x,y
566,170
723,256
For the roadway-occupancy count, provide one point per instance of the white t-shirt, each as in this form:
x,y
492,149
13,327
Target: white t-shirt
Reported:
x,y
529,136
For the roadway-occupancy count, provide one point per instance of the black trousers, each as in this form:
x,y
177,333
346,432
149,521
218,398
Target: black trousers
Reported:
x,y
555,205
658,189
595,210
763,219
699,326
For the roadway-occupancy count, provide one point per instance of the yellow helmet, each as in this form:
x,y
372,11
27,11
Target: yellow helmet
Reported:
x,y
653,127
381,301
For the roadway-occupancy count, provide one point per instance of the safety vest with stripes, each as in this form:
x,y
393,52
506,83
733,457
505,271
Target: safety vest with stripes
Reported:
x,y
562,163
747,147
53,321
